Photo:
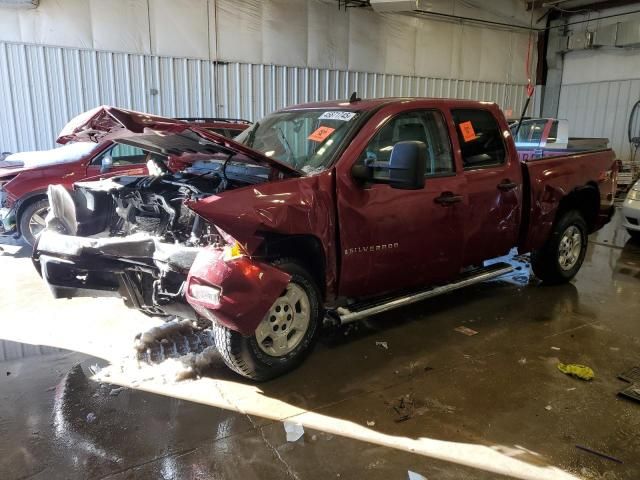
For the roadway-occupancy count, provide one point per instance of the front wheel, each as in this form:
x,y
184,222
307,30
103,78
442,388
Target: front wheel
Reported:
x,y
562,256
284,337
32,220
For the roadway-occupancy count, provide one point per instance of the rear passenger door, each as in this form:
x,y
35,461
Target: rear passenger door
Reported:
x,y
493,185
393,239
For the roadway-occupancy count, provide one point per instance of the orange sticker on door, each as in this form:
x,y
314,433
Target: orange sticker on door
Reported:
x,y
468,134
321,133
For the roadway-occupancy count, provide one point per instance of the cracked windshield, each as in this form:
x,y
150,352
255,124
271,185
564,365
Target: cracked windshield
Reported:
x,y
304,139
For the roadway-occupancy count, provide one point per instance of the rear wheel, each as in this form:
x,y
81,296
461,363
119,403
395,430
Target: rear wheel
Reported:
x,y
284,337
32,220
562,256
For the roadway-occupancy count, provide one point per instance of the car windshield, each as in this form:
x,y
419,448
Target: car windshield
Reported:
x,y
304,139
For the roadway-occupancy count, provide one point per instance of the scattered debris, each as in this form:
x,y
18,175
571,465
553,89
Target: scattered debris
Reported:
x,y
91,417
403,406
571,389
614,349
579,371
371,423
522,361
384,345
95,368
632,392
548,408
415,476
314,438
555,348
632,375
465,330
599,454
116,391
294,431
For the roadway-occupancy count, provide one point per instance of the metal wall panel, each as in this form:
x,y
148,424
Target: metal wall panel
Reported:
x,y
601,109
42,87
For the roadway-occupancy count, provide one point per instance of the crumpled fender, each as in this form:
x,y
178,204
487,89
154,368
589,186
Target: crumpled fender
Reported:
x,y
298,206
248,289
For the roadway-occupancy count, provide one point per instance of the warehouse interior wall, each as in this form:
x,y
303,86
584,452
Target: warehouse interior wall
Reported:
x,y
600,86
241,55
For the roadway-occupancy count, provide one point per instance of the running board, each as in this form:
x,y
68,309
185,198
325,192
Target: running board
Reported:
x,y
481,275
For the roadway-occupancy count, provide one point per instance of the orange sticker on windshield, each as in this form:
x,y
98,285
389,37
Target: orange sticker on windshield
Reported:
x,y
321,134
467,131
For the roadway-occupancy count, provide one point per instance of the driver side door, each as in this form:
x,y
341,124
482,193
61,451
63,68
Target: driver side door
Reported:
x,y
393,239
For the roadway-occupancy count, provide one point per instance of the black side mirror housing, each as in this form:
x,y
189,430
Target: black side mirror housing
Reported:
x,y
407,165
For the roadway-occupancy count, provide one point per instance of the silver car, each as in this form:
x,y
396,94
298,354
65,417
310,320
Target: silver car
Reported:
x,y
631,211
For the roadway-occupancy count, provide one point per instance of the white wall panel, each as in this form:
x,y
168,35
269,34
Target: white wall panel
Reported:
x,y
367,43
120,25
400,51
328,36
41,88
58,22
239,30
284,35
433,57
600,109
179,28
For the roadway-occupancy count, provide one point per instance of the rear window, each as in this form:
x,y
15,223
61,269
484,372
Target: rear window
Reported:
x,y
480,138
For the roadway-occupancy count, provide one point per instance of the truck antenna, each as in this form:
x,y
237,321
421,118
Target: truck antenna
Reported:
x,y
354,98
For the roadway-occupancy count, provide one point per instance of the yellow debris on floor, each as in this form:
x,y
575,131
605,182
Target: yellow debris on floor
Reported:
x,y
579,371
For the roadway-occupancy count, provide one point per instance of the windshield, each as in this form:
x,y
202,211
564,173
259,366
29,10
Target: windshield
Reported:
x,y
304,139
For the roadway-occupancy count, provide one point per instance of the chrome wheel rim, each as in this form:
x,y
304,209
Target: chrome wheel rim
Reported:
x,y
285,325
37,221
570,248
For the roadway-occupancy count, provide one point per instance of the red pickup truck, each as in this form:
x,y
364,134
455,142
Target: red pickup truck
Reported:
x,y
24,177
320,212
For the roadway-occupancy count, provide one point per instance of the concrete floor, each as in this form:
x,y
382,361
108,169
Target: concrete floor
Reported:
x,y
435,401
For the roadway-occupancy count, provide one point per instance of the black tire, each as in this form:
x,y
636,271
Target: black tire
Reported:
x,y
25,219
243,354
546,262
635,235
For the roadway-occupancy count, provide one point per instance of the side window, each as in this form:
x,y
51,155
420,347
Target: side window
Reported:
x,y
480,138
553,133
424,126
122,155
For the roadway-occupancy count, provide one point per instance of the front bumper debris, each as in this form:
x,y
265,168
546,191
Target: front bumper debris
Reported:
x,y
161,279
7,221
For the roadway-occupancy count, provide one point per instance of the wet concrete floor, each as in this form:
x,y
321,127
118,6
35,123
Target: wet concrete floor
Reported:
x,y
430,400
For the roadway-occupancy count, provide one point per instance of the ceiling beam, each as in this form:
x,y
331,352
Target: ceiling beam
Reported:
x,y
587,5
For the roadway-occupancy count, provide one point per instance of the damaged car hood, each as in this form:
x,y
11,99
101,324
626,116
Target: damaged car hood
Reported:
x,y
160,135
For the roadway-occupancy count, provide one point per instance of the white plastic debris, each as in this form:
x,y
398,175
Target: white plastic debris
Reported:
x,y
91,417
384,345
555,348
116,391
371,423
548,408
415,476
294,431
522,361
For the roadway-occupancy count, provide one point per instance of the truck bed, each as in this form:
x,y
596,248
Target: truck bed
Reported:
x,y
590,176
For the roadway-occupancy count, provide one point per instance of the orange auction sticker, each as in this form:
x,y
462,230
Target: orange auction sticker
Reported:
x,y
467,131
321,133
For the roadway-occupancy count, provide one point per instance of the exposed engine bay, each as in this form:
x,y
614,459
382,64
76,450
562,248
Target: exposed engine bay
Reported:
x,y
135,235
123,206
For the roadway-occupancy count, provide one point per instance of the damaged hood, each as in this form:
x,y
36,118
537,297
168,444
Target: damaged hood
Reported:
x,y
160,135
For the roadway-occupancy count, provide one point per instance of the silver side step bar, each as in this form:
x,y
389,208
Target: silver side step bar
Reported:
x,y
487,273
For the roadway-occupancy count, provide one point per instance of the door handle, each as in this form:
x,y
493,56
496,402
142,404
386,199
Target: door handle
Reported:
x,y
448,198
507,185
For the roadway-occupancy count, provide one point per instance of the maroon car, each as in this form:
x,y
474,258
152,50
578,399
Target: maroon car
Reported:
x,y
328,211
24,177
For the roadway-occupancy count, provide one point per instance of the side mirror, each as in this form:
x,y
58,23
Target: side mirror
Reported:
x,y
106,163
407,165
362,173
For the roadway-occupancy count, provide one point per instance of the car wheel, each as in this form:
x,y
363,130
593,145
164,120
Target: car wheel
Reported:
x,y
32,220
562,256
284,337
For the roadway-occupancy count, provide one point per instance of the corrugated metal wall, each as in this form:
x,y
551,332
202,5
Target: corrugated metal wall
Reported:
x,y
41,88
600,109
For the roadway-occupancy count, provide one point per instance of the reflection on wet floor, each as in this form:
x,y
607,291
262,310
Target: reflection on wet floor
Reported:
x,y
459,395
